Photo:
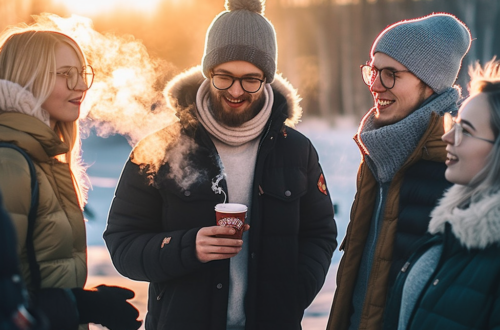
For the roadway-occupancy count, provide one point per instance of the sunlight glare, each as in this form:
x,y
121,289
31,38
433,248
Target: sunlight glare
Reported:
x,y
96,7
122,77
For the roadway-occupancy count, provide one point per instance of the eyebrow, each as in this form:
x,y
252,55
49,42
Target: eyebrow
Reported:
x,y
65,67
249,75
468,123
388,68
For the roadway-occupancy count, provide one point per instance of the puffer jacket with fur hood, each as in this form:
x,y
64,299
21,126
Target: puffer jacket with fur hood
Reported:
x,y
152,229
464,290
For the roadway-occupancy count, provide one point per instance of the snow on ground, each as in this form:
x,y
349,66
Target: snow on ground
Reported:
x,y
339,158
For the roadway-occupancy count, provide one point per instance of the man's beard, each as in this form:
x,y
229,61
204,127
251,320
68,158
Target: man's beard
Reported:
x,y
232,118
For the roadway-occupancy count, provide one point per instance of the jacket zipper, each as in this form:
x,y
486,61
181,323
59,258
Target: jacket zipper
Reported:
x,y
445,242
265,135
394,305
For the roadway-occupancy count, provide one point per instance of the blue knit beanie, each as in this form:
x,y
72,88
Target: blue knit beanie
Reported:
x,y
241,33
431,47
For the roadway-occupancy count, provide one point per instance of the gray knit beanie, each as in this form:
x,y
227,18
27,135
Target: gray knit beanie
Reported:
x,y
431,47
241,33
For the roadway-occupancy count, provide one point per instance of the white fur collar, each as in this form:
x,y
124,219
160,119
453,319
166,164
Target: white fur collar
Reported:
x,y
14,98
186,84
476,226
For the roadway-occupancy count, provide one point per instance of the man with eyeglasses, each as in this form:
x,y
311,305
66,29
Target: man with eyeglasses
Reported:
x,y
413,67
234,139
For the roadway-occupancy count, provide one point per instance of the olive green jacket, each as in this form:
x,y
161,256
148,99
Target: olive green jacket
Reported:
x,y
59,232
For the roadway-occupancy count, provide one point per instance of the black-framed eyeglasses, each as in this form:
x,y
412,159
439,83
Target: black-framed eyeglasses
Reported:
x,y
387,76
225,81
72,74
460,132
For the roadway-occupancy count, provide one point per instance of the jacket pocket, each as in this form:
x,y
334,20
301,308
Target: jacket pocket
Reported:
x,y
281,191
285,183
187,208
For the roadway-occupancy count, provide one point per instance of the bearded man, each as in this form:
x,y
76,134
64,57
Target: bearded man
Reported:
x,y
234,139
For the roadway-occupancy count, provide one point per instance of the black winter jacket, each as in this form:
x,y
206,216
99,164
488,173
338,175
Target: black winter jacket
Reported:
x,y
152,229
464,290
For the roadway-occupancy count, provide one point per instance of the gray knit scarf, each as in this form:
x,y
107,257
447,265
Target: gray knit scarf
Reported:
x,y
390,146
233,136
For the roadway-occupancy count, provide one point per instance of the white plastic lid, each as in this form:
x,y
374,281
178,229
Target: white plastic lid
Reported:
x,y
231,208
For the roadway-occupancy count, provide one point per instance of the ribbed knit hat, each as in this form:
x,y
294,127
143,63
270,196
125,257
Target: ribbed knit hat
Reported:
x,y
241,33
431,47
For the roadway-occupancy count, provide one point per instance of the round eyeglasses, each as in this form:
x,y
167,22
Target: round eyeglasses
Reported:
x,y
387,76
460,132
72,74
225,81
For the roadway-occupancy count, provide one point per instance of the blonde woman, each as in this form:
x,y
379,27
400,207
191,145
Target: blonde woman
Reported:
x,y
43,80
452,281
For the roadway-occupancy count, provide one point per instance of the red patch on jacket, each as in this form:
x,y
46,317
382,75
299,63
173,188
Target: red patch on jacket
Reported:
x,y
322,184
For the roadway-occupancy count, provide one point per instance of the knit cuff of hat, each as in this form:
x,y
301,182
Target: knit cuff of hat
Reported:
x,y
390,146
229,53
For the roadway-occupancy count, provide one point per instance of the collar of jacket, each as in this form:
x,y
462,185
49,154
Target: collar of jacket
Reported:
x,y
477,226
31,134
180,94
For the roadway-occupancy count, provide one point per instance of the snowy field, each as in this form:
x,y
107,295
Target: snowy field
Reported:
x,y
339,158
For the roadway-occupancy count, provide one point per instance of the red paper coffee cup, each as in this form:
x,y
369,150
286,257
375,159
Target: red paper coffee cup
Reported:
x,y
231,215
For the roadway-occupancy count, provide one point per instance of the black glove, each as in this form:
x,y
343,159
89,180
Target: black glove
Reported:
x,y
107,305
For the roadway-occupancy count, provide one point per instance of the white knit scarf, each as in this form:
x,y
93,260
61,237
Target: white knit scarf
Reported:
x,y
233,136
15,98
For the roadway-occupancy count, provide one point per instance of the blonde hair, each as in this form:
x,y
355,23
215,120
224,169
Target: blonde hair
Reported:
x,y
27,57
485,80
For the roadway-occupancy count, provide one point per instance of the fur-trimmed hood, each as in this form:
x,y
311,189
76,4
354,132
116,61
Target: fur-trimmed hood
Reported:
x,y
180,94
14,98
477,226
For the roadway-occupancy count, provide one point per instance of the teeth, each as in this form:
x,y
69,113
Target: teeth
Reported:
x,y
451,157
384,102
233,100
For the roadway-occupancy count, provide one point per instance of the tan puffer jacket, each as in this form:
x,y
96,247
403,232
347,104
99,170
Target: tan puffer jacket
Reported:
x,y
59,233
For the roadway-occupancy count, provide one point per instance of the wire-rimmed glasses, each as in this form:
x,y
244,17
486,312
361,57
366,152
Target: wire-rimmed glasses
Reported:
x,y
460,132
72,74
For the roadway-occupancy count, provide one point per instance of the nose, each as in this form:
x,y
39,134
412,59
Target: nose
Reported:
x,y
377,86
81,85
236,90
449,137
